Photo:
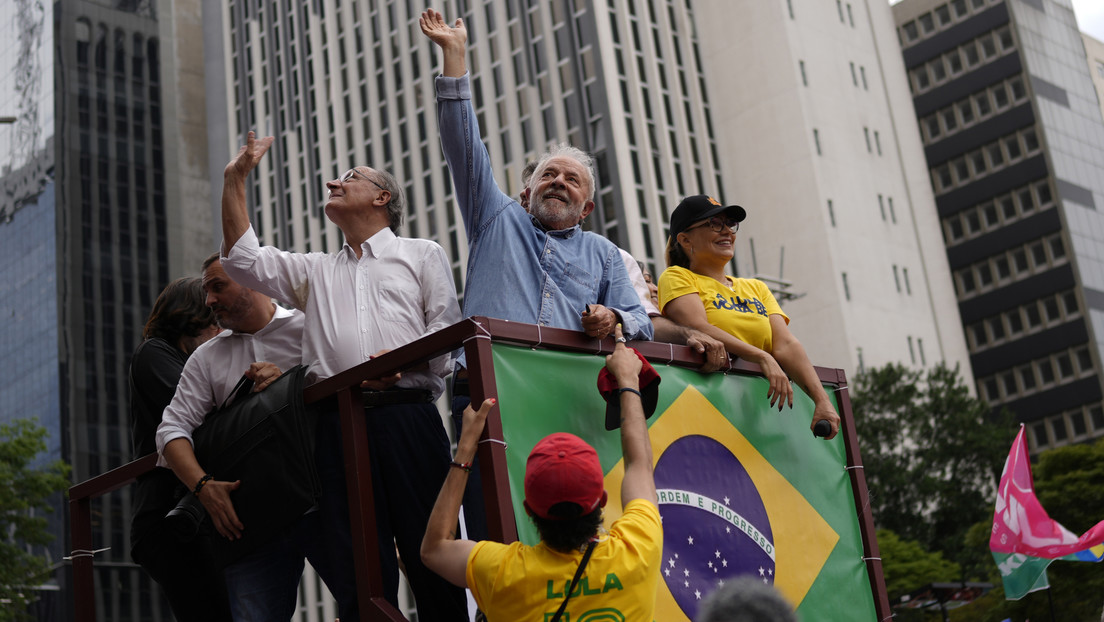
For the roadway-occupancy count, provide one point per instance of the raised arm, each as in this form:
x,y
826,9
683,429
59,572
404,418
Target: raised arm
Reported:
x,y
235,213
636,446
789,352
441,551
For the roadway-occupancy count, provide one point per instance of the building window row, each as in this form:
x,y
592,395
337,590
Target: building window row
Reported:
x,y
941,17
1025,319
914,349
998,212
1079,424
840,6
1013,264
883,203
1041,374
974,109
985,160
954,63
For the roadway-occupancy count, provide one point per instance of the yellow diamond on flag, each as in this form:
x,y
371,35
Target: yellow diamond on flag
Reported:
x,y
802,539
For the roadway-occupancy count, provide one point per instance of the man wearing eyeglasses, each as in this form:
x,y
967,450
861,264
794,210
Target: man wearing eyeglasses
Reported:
x,y
377,293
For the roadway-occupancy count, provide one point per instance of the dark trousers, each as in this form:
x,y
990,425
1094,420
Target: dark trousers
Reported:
x,y
184,570
410,458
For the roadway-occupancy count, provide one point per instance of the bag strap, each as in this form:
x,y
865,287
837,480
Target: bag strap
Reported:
x,y
240,390
575,580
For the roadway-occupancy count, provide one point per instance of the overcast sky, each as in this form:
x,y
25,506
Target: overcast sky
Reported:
x,y
1090,17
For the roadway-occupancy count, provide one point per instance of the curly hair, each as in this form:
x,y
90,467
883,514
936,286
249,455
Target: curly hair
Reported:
x,y
179,311
571,532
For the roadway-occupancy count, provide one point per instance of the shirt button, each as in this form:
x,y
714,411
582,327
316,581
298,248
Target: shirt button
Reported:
x,y
361,307
547,295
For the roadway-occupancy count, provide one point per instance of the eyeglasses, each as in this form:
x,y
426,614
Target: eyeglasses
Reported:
x,y
349,175
719,224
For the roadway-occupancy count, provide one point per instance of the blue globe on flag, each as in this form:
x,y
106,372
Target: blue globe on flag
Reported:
x,y
715,526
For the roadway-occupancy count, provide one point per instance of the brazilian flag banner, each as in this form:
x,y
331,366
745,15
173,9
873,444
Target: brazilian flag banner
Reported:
x,y
744,490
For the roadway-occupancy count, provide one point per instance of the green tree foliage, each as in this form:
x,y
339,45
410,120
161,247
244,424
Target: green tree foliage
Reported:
x,y
907,566
932,453
23,501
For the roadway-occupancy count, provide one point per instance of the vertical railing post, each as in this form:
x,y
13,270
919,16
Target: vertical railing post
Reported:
x,y
371,600
501,526
84,585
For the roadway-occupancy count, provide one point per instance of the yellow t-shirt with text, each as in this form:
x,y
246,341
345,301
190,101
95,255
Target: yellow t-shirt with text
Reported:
x,y
742,308
517,582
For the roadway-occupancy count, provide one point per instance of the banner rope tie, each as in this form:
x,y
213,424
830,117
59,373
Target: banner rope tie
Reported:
x,y
540,340
494,440
77,553
854,466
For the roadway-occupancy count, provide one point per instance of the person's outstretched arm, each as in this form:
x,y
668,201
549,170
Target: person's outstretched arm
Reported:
x,y
791,355
235,213
636,446
441,551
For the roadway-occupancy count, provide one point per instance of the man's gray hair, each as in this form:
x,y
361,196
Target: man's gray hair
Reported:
x,y
746,600
397,206
564,150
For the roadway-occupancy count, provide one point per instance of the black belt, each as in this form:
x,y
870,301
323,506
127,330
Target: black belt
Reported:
x,y
396,396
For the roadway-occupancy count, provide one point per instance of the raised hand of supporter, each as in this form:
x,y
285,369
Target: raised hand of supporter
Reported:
x,y
474,420
248,156
624,364
262,374
215,497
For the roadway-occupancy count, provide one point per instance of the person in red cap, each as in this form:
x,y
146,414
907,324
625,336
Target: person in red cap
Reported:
x,y
576,569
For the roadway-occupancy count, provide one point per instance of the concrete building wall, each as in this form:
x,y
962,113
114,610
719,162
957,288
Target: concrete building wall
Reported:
x,y
815,146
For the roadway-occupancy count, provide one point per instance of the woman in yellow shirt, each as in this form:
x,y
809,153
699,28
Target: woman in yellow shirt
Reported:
x,y
694,291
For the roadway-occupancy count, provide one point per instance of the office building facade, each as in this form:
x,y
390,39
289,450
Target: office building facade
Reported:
x,y
1014,143
832,174
105,159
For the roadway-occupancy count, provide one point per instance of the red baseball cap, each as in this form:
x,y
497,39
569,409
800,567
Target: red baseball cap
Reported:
x,y
563,468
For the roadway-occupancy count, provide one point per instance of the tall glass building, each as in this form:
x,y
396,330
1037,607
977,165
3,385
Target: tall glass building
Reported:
x,y
1014,141
100,170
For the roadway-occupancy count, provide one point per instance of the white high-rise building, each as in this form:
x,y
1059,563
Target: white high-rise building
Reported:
x,y
815,127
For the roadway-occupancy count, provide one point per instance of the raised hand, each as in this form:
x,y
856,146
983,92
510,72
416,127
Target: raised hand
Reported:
x,y
624,364
433,26
248,156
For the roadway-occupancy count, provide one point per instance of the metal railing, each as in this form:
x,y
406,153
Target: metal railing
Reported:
x,y
475,335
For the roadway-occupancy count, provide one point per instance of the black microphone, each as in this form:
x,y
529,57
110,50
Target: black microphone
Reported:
x,y
822,428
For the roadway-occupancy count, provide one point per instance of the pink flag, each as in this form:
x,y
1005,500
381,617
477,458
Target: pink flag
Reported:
x,y
1021,525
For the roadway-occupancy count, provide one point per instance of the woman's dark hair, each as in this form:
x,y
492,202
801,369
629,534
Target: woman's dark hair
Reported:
x,y
567,534
676,256
179,311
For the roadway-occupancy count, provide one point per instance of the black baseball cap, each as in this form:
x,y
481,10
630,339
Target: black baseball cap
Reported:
x,y
699,207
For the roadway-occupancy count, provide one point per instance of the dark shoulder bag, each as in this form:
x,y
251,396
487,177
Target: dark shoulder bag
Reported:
x,y
266,440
